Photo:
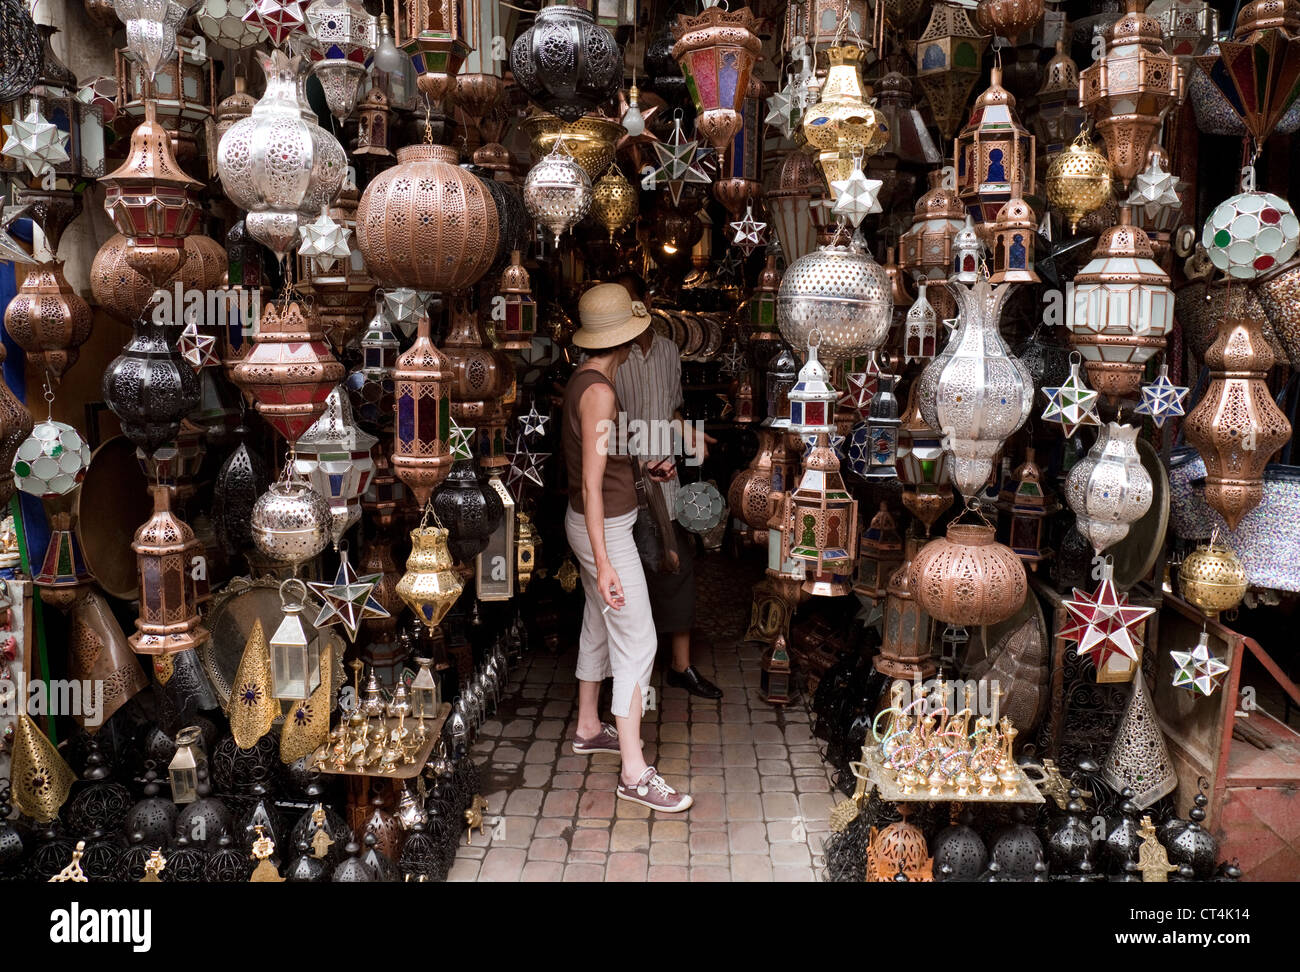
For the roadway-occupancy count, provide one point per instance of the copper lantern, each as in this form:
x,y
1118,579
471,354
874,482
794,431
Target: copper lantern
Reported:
x,y
994,154
166,551
1130,88
48,320
427,223
880,553
422,379
289,371
432,35
948,64
479,382
968,578
1236,427
716,50
515,312
825,515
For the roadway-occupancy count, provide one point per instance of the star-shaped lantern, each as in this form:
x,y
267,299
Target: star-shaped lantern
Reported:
x,y
1198,670
1154,191
748,232
349,600
527,466
856,196
279,18
1072,404
1162,399
534,423
198,349
324,241
35,142
729,269
1102,623
10,249
870,612
678,163
837,443
732,360
458,440
862,387
783,108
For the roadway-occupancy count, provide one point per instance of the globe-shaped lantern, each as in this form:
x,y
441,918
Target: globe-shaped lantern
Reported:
x,y
471,509
557,192
842,293
566,62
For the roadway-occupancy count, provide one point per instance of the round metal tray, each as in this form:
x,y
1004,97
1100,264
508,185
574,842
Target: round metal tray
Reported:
x,y
113,502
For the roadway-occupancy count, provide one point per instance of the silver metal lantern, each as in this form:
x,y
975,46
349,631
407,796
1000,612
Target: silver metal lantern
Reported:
x,y
841,292
557,192
151,27
291,522
1109,489
975,393
334,456
342,37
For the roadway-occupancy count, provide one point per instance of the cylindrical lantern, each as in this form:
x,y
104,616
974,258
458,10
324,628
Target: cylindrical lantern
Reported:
x,y
422,380
165,549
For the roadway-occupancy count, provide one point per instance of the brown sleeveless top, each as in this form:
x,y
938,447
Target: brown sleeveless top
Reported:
x,y
618,486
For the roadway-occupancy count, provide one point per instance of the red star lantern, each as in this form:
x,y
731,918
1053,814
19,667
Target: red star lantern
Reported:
x,y
862,387
279,18
1104,623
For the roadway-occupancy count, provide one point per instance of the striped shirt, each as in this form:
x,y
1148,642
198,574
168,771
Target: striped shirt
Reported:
x,y
649,387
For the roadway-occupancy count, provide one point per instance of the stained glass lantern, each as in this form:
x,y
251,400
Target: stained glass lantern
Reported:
x,y
812,398
166,549
762,303
517,321
334,456
295,651
1129,89
882,431
372,126
994,153
880,553
183,770
432,33
63,567
342,38
1029,503
152,202
1119,307
789,203
1054,113
1013,235
1250,233
51,461
222,22
926,249
825,522
774,679
920,329
948,64
421,453
905,650
922,465
716,50
699,507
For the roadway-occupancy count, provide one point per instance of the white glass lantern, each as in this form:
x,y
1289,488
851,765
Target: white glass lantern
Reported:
x,y
183,770
813,397
295,652
334,455
494,567
426,699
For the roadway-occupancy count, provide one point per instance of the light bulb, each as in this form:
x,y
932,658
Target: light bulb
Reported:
x,y
632,120
387,57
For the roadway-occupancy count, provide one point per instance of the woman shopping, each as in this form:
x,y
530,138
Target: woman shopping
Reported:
x,y
618,632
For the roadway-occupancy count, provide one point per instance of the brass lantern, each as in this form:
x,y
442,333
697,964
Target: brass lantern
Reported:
x,y
716,50
948,64
842,124
994,153
183,770
515,311
431,583
1236,426
432,34
1119,308
1128,90
422,381
825,527
880,553
152,201
166,550
1054,111
905,650
1078,180
614,201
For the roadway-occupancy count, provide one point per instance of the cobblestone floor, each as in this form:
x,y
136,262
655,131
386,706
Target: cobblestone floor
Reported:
x,y
762,792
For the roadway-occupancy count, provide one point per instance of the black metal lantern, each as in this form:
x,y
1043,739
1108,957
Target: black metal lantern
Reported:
x,y
185,862
353,870
959,853
20,50
228,864
150,387
96,802
1017,851
469,509
566,62
152,816
204,820
1194,846
240,481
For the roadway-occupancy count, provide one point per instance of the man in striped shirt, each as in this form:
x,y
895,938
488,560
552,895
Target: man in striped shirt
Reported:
x,y
649,387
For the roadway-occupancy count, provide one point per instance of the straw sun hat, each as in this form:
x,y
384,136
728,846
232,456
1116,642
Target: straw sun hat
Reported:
x,y
609,316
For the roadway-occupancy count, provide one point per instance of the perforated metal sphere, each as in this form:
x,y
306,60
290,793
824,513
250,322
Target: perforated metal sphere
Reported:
x,y
842,293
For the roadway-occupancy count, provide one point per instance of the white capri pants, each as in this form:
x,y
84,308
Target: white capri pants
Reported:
x,y
622,642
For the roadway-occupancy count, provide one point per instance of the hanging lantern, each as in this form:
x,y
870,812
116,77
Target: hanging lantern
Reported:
x,y
1236,426
426,223
948,64
295,654
825,516
1255,76
166,551
1119,308
421,453
920,329
431,584
15,427
183,770
880,554
1189,26
591,140
180,91
1157,201
63,570
994,153
789,201
289,370
1013,235
967,578
1009,18
1054,111
1109,489
843,294
339,284
150,387
1078,180
479,381
557,192
372,127
782,370
968,254
494,573
51,461
223,23
882,423
432,34
1199,671
974,389
614,201
125,294
48,320
426,697
817,22
1250,233
922,465
151,27
926,249
760,309
566,63
1212,579
908,138
1128,90
370,385
1029,504
334,456
812,398
906,636
290,521
473,507
20,47
342,38
842,124
517,322
277,162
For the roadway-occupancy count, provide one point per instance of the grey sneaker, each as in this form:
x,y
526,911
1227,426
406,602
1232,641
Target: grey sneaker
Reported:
x,y
651,791
605,741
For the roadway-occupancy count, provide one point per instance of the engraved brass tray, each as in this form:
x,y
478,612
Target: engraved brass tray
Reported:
x,y
872,769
